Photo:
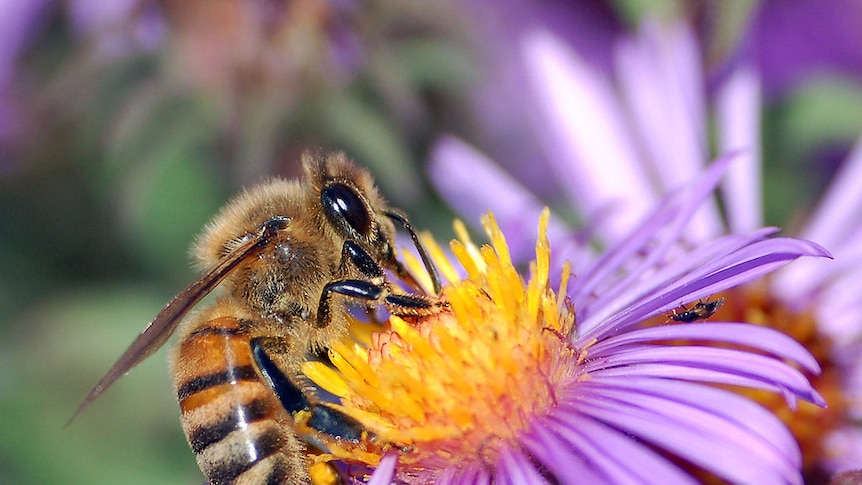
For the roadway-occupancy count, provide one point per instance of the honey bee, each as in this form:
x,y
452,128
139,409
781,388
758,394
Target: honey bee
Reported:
x,y
700,311
291,256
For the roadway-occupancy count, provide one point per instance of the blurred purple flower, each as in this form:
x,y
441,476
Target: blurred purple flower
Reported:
x,y
620,143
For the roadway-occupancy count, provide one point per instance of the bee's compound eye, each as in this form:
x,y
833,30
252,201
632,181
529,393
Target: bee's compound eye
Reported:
x,y
342,204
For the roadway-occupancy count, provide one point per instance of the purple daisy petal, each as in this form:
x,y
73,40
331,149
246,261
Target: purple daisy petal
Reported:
x,y
515,469
673,213
762,448
559,457
739,411
741,266
583,122
385,470
762,372
455,165
836,219
754,336
640,294
660,77
728,455
738,119
612,453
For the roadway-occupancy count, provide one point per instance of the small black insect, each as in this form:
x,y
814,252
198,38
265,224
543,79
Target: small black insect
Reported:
x,y
700,311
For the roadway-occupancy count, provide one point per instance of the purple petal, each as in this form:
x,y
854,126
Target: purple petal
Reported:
x,y
757,337
741,266
514,468
560,458
673,214
614,454
584,125
693,436
383,474
739,412
660,77
836,220
772,374
641,298
738,120
456,166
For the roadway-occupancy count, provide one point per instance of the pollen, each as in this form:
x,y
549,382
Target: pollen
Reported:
x,y
458,386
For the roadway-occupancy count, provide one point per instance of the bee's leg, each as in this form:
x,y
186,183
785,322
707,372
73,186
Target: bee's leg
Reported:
x,y
398,304
354,254
290,392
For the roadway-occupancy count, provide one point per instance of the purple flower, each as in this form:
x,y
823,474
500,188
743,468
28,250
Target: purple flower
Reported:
x,y
621,143
522,383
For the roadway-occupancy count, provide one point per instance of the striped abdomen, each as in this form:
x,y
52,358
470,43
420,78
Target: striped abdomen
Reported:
x,y
232,420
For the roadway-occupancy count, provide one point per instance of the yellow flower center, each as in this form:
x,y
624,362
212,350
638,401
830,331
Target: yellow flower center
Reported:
x,y
456,387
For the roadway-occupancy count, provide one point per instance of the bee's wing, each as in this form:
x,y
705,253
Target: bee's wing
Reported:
x,y
161,328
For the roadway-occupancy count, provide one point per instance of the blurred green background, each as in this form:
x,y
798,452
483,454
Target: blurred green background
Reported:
x,y
125,125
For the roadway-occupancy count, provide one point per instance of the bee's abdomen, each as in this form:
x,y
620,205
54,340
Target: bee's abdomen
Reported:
x,y
232,420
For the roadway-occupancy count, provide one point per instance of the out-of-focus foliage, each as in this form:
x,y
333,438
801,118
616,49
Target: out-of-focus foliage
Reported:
x,y
124,125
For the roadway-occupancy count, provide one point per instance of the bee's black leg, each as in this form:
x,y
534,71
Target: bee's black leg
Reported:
x,y
375,290
322,418
361,260
398,304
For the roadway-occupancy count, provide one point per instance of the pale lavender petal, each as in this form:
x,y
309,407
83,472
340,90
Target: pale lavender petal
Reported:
x,y
473,185
673,214
838,314
584,125
754,336
692,374
683,431
772,373
837,216
742,266
844,449
385,469
642,297
738,119
624,458
738,411
514,468
590,440
773,450
560,458
660,76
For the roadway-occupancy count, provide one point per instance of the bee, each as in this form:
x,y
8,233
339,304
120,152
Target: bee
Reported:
x,y
291,255
700,311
